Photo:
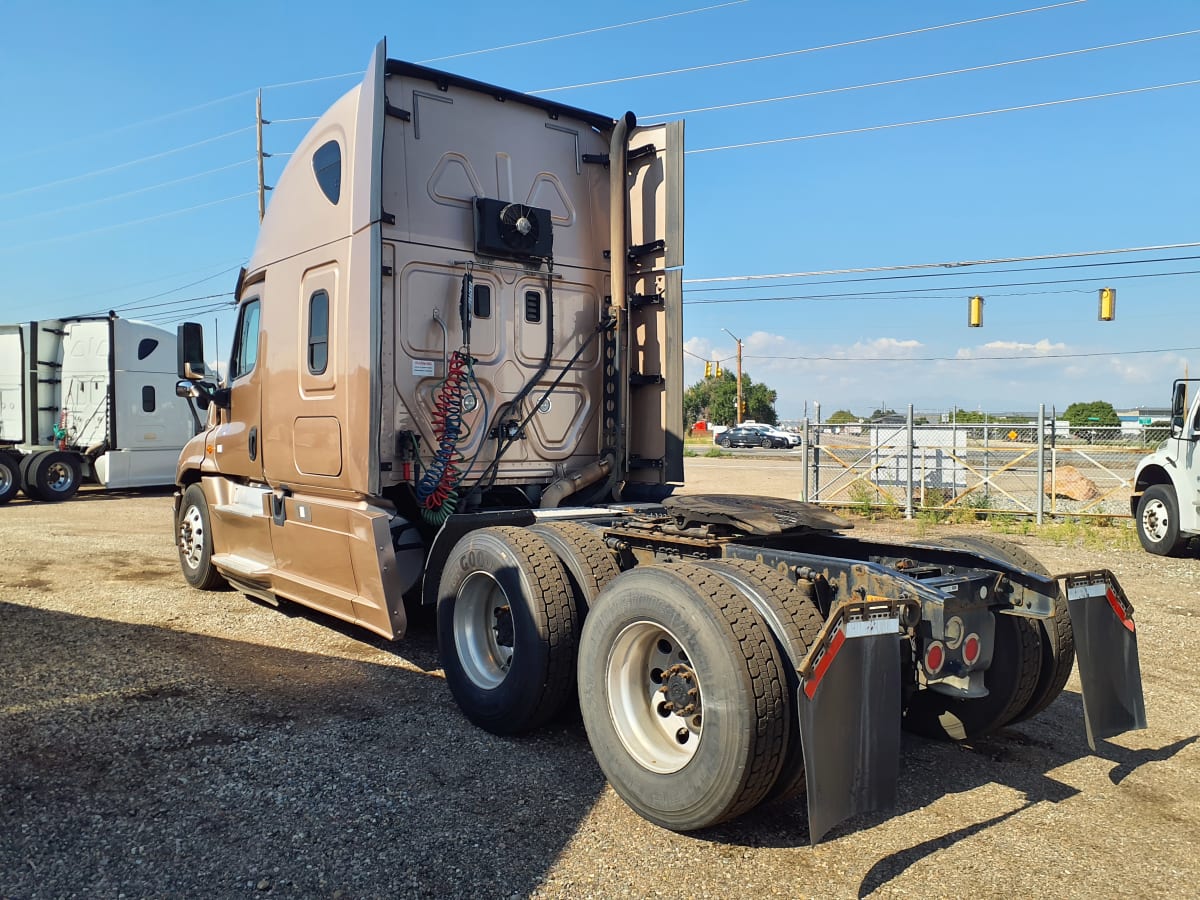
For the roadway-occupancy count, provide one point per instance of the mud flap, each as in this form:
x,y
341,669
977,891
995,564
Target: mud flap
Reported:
x,y
1107,653
849,712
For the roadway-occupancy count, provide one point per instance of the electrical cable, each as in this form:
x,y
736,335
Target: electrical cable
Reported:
x,y
906,359
786,53
882,295
970,115
760,287
912,78
125,165
946,265
559,37
142,190
8,248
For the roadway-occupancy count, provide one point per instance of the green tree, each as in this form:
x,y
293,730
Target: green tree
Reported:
x,y
842,417
880,413
716,399
1097,412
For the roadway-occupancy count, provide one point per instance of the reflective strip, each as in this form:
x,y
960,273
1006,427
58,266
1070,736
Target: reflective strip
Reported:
x,y
1119,610
810,686
866,627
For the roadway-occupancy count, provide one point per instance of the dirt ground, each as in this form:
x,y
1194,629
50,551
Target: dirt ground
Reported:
x,y
157,740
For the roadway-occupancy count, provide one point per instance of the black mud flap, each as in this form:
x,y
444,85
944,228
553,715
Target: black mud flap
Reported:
x,y
1106,648
849,710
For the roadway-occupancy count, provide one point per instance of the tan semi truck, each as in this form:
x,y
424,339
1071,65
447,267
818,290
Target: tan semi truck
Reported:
x,y
456,380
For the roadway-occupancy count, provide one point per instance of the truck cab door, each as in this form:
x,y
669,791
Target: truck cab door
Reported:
x,y
237,440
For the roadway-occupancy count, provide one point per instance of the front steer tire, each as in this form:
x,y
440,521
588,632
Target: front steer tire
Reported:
x,y
710,755
507,629
1158,521
193,540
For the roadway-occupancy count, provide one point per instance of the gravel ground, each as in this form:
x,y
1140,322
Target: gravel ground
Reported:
x,y
156,740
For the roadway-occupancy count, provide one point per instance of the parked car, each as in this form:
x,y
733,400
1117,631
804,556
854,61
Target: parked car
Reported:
x,y
744,436
790,438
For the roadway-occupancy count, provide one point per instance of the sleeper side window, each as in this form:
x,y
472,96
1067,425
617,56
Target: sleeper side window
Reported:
x,y
318,333
327,166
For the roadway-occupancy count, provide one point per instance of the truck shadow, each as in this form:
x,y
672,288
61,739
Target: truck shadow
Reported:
x,y
351,772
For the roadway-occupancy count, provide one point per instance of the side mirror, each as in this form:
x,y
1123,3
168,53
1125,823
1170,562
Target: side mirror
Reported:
x,y
1178,408
190,351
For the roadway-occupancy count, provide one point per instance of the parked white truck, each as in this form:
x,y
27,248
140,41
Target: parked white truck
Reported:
x,y
1166,494
457,380
88,398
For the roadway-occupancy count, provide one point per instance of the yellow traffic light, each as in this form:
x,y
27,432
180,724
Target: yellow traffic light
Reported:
x,y
1108,304
974,312
708,370
718,370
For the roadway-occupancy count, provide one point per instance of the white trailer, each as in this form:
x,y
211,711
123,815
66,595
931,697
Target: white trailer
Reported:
x,y
88,398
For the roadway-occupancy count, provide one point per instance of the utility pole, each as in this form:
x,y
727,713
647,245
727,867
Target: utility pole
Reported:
x,y
739,373
262,184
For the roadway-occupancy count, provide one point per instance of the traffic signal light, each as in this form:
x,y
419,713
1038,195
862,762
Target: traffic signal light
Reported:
x,y
1108,304
974,312
718,370
707,369
742,406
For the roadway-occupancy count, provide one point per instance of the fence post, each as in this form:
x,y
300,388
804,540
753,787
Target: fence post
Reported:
x,y
816,494
987,472
908,505
1041,464
804,465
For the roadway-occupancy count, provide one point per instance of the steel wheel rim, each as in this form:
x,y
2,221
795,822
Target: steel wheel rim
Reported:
x,y
59,477
658,740
191,537
484,634
1156,520
6,479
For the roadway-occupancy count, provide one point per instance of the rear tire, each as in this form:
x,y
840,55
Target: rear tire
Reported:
x,y
56,475
589,565
682,635
1058,637
795,623
507,629
1158,521
193,540
26,471
766,443
10,476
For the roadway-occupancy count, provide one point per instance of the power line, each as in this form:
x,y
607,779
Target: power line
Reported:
x,y
125,165
905,359
971,115
912,78
1126,262
572,34
121,196
786,53
947,265
889,295
174,212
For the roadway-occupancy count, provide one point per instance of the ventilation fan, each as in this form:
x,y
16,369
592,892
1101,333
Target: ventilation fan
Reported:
x,y
512,230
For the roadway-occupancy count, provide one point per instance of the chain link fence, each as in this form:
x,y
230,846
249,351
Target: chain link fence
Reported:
x,y
1038,469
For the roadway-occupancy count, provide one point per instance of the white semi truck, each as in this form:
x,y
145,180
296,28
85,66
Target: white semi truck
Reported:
x,y
88,398
1166,495
457,380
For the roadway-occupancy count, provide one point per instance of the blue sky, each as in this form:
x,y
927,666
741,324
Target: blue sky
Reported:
x,y
100,209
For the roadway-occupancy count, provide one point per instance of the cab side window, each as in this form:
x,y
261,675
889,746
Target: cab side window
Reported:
x,y
245,341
